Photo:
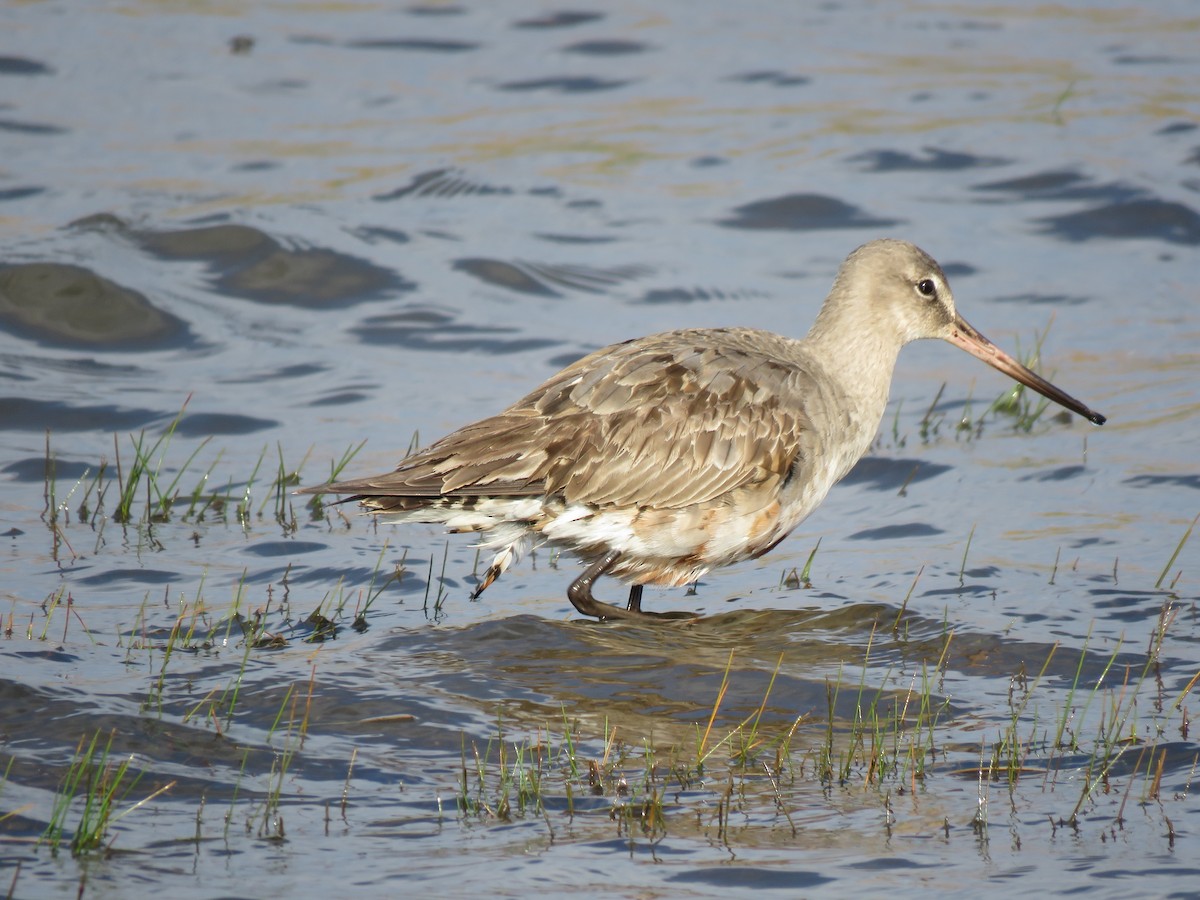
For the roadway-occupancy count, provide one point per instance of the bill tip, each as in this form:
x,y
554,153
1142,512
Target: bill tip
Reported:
x,y
1097,419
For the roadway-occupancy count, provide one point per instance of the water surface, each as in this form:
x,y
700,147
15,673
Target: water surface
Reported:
x,y
260,236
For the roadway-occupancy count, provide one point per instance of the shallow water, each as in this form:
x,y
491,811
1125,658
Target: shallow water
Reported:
x,y
298,226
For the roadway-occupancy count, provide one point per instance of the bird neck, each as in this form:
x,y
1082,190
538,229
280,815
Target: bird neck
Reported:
x,y
859,356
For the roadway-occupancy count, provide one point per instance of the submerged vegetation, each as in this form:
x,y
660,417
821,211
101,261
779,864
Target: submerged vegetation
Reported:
x,y
102,786
1092,749
1095,735
150,489
893,743
1017,407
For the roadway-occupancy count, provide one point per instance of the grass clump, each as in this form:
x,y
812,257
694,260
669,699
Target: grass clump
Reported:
x,y
872,742
1019,405
95,784
151,489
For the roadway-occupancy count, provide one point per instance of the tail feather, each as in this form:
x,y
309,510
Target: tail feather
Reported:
x,y
506,524
457,513
513,540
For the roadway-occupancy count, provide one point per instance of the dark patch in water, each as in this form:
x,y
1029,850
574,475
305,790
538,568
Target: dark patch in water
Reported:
x,y
351,575
575,238
311,40
58,656
1156,219
1131,59
504,275
373,235
693,295
891,532
443,183
749,878
342,398
436,11
34,469
1126,606
976,590
258,165
802,212
19,65
540,279
70,306
1080,543
283,548
281,86
1178,128
891,863
250,264
129,576
562,19
932,159
882,473
312,278
204,424
773,77
297,370
427,329
30,127
607,48
983,572
567,84
20,193
25,414
1037,186
1061,473
1060,185
1141,481
422,44
643,672
1114,598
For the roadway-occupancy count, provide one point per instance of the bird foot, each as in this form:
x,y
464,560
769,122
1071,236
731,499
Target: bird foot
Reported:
x,y
608,611
580,595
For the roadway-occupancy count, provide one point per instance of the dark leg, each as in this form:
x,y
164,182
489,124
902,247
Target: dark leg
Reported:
x,y
635,599
580,595
580,591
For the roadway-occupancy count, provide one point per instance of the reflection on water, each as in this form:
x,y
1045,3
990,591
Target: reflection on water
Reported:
x,y
299,231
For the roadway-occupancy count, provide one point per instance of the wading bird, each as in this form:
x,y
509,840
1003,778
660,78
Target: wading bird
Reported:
x,y
658,459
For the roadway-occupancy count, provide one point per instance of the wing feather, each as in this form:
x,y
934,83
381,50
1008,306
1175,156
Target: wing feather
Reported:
x,y
665,421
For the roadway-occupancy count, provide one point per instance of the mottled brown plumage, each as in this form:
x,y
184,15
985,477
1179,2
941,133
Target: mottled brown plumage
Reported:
x,y
661,458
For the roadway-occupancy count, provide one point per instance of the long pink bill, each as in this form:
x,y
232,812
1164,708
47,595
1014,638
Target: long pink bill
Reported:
x,y
966,337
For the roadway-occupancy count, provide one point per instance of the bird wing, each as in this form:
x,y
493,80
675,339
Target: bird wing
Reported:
x,y
665,421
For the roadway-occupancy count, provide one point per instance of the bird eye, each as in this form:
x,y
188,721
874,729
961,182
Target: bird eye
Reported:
x,y
927,288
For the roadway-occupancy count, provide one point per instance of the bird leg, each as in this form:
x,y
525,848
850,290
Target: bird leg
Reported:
x,y
580,595
635,599
580,591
